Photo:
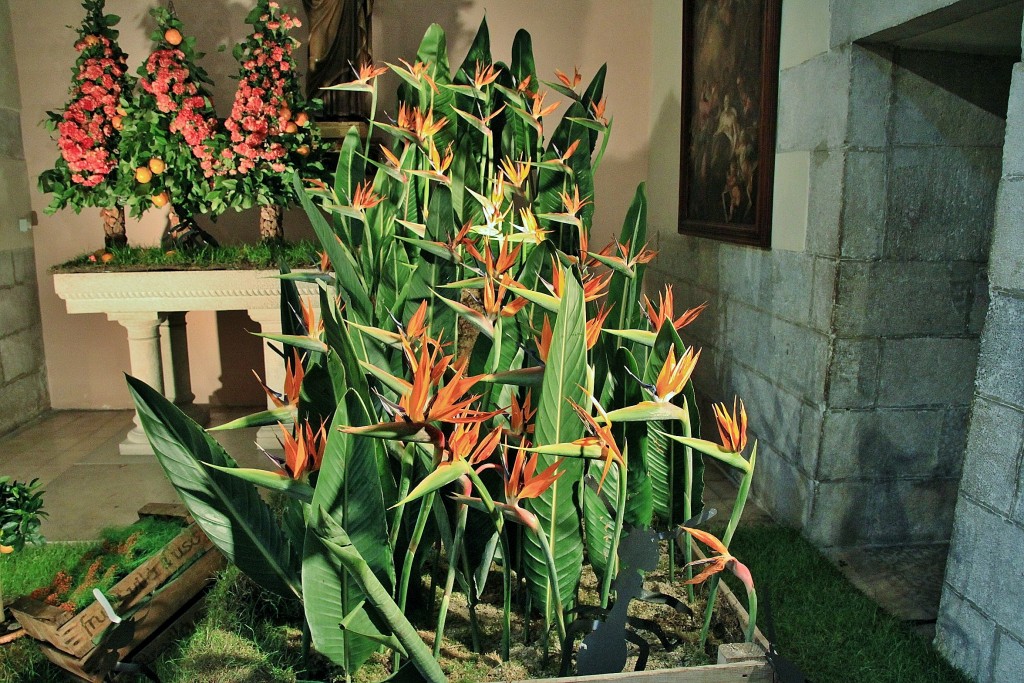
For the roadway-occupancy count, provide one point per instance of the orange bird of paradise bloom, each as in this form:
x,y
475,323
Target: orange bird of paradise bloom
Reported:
x,y
675,374
523,482
664,311
293,374
732,428
449,402
602,437
723,560
465,444
304,451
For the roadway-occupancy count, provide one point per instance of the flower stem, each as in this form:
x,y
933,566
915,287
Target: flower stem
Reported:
x,y
613,549
403,491
449,584
730,529
688,497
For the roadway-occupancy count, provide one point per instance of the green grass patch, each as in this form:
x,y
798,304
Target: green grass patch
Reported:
x,y
827,627
239,257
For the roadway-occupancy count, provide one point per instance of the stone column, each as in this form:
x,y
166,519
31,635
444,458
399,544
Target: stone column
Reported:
x,y
144,351
176,371
269,320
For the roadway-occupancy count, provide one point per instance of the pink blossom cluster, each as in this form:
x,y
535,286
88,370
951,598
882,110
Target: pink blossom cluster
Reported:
x,y
176,93
261,113
87,140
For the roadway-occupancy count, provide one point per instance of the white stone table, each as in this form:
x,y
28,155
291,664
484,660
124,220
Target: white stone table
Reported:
x,y
151,306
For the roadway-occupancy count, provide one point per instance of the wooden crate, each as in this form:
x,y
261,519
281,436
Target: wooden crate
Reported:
x,y
88,644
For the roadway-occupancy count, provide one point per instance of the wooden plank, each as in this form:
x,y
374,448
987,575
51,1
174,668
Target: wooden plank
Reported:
x,y
164,511
77,635
741,672
177,627
41,621
71,664
118,642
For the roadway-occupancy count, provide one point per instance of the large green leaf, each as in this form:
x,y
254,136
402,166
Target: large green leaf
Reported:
x,y
432,270
665,462
623,292
228,509
557,422
349,490
388,614
352,288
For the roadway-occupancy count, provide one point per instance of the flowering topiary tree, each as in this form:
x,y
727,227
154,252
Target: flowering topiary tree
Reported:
x,y
270,127
170,138
88,128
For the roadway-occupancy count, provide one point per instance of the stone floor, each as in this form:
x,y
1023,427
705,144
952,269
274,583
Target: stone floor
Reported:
x,y
89,485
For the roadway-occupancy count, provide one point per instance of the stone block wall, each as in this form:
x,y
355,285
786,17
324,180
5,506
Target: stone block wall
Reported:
x,y
921,172
23,391
766,333
981,623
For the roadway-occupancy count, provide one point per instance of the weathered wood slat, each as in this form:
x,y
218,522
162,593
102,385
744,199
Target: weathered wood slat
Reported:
x,y
77,636
41,621
741,672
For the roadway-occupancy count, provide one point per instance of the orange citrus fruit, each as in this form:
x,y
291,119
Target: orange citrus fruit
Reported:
x,y
157,165
303,150
285,113
172,36
117,123
106,257
160,199
302,118
143,174
291,127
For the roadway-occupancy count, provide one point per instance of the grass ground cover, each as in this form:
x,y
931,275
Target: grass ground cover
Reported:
x,y
242,257
825,625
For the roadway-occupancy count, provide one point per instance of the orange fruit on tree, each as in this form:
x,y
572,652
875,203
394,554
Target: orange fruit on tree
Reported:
x,y
91,40
285,113
106,257
143,174
172,36
301,119
157,165
117,123
160,199
291,127
302,150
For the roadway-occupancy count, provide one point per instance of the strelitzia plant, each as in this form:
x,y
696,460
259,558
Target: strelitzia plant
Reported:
x,y
476,364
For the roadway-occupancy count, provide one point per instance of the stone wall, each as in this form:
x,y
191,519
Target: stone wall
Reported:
x,y
855,349
921,170
981,623
22,371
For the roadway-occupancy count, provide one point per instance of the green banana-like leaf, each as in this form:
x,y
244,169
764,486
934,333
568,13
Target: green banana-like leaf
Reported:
x,y
272,481
353,290
438,479
431,270
556,422
297,341
263,418
348,489
639,495
337,541
624,291
229,510
599,520
664,458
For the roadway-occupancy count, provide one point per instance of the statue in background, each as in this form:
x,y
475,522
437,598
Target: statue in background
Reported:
x,y
339,41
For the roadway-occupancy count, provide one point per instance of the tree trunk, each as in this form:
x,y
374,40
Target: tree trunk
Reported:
x,y
113,227
271,224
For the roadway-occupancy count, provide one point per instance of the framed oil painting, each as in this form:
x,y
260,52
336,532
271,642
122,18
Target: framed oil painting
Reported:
x,y
730,82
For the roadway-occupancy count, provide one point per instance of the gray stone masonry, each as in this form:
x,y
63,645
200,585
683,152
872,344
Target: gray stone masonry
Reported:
x,y
23,392
981,618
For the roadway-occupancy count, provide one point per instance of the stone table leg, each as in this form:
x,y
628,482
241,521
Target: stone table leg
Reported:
x,y
269,320
177,378
144,350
